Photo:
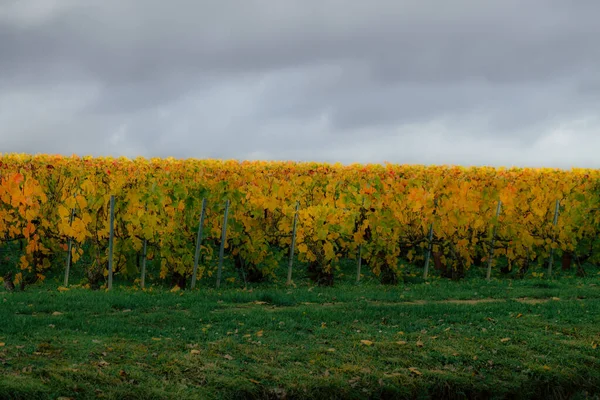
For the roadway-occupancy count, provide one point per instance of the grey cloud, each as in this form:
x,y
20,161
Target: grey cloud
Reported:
x,y
304,79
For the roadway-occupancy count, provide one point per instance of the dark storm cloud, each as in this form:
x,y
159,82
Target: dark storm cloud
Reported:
x,y
329,80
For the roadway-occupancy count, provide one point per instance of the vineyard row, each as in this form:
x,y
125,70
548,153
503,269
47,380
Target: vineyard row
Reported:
x,y
257,212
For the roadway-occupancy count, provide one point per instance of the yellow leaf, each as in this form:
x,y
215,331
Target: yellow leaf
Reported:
x,y
228,357
367,342
415,371
55,313
63,212
329,251
547,368
519,315
504,340
195,351
175,288
2,344
62,289
259,333
419,343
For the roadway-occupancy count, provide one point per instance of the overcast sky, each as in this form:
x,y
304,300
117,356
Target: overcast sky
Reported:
x,y
469,82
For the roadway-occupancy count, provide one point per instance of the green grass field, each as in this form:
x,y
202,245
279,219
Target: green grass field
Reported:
x,y
468,339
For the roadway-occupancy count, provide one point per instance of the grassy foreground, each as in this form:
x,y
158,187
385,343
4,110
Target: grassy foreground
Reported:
x,y
471,339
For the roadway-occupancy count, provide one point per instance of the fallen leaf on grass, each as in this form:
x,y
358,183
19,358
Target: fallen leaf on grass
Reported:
x,y
156,339
260,303
367,342
122,373
519,315
195,351
504,340
228,357
556,298
415,371
392,375
56,313
401,342
546,368
594,345
419,343
331,350
2,344
103,363
353,381
259,333
62,289
254,381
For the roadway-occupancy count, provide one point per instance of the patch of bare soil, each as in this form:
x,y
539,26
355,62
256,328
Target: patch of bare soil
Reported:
x,y
471,301
532,301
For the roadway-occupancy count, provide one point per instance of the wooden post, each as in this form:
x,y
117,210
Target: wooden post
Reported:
x,y
292,246
554,223
145,253
111,240
359,261
144,257
429,248
69,250
491,253
222,248
198,243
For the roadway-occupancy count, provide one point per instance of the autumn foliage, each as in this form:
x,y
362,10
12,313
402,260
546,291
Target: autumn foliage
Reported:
x,y
385,209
